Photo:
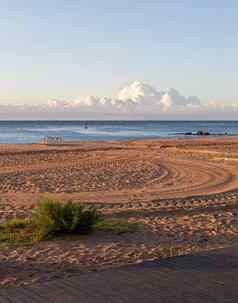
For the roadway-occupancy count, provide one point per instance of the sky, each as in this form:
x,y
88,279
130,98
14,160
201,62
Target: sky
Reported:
x,y
68,50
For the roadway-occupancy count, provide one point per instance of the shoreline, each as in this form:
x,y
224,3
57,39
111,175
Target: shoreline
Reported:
x,y
128,140
146,138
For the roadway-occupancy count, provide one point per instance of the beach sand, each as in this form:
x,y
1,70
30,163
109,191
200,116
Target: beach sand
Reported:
x,y
110,172
183,192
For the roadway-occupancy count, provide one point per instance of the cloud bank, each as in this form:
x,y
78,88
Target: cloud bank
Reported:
x,y
135,101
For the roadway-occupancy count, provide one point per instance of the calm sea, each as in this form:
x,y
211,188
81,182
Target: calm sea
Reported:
x,y
34,131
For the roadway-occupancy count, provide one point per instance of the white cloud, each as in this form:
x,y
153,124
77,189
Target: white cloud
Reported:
x,y
59,104
135,101
139,92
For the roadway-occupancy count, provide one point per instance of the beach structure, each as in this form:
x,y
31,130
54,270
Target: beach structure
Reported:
x,y
52,140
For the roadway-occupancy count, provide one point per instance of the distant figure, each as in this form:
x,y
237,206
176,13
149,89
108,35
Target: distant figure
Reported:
x,y
85,126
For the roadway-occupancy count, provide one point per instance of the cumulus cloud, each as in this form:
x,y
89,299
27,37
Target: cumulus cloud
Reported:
x,y
139,92
136,101
136,95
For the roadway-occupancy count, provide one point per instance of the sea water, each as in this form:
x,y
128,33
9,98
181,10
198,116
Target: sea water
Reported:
x,y
35,131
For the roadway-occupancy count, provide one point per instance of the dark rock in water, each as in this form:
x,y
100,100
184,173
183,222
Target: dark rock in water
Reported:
x,y
198,133
202,133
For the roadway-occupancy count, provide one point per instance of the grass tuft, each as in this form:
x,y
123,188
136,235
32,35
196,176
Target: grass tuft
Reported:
x,y
17,231
16,224
52,218
115,226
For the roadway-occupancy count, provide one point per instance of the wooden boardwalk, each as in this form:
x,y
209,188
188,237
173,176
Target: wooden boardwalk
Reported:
x,y
206,277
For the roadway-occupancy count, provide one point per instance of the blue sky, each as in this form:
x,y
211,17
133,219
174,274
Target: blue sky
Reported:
x,y
66,49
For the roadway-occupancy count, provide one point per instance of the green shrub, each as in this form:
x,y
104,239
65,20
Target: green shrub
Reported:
x,y
52,217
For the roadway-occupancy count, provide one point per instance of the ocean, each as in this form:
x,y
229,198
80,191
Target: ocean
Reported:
x,y
35,131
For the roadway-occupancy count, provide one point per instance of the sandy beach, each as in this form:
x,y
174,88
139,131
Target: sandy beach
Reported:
x,y
183,192
120,172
